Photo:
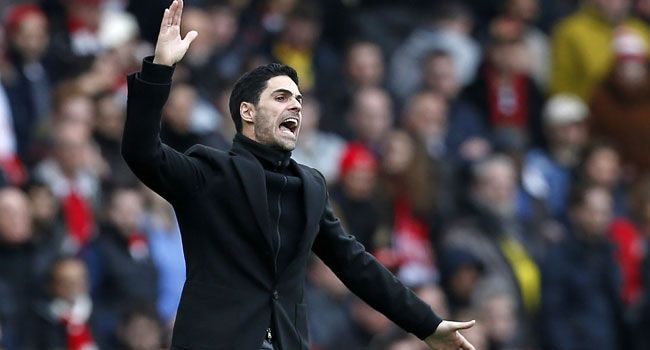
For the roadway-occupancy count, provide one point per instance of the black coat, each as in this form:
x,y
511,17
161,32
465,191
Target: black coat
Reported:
x,y
233,291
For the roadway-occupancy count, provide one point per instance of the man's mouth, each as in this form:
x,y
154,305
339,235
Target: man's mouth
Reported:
x,y
289,125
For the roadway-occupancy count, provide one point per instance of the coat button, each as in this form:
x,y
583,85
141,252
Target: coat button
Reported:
x,y
276,296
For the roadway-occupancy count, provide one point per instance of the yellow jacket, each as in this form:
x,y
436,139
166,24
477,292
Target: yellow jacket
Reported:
x,y
582,51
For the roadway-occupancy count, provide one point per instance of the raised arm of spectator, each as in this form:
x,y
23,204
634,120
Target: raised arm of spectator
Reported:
x,y
171,174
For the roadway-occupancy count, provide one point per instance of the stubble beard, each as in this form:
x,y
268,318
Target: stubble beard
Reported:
x,y
264,133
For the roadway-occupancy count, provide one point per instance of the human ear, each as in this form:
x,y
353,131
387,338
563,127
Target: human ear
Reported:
x,y
247,112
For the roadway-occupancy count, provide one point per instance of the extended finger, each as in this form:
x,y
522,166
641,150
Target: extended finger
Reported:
x,y
465,344
177,15
461,325
172,12
165,20
191,35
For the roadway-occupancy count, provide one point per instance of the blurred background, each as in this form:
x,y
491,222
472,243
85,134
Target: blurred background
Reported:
x,y
492,153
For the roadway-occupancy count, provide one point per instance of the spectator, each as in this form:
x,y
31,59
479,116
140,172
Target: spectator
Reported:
x,y
582,306
582,45
66,319
466,128
119,260
29,85
357,193
600,164
318,149
140,329
547,172
448,29
620,103
507,246
536,41
72,181
408,194
503,90
18,273
371,117
461,273
499,314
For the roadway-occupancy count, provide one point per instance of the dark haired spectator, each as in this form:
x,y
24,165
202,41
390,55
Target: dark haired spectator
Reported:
x,y
460,274
582,45
370,117
621,103
66,318
547,172
28,84
448,29
504,91
581,300
140,328
507,246
600,164
119,260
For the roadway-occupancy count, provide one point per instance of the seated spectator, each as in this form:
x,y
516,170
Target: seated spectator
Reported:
x,y
600,164
140,329
318,149
621,103
448,29
506,246
467,137
355,196
72,180
66,319
503,90
120,263
582,45
460,273
370,117
581,300
547,172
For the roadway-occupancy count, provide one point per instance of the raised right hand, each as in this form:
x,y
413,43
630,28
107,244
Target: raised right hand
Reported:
x,y
170,47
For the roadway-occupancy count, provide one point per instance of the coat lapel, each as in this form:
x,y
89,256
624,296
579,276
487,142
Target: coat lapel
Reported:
x,y
251,174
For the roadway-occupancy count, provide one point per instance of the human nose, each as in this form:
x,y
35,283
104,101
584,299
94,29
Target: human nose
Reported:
x,y
295,105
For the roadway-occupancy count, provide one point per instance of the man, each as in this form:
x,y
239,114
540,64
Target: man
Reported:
x,y
250,217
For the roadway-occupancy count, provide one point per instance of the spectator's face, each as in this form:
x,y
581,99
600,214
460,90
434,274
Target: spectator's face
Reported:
x,y
508,55
440,75
142,333
69,279
278,115
398,154
569,135
463,282
613,10
70,148
631,73
365,65
497,188
110,118
525,10
199,20
426,117
373,115
31,37
223,25
15,219
179,106
301,33
43,205
77,109
603,167
126,210
359,182
501,322
594,215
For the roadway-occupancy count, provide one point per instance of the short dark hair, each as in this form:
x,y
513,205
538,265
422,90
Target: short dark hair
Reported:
x,y
249,87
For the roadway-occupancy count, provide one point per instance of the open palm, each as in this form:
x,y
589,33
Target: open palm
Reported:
x,y
170,47
447,337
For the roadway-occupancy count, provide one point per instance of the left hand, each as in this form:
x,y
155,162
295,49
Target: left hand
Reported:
x,y
447,337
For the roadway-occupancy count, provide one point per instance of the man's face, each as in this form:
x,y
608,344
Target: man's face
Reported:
x,y
278,114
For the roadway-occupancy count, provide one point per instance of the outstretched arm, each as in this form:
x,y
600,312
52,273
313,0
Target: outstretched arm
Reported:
x,y
169,173
377,286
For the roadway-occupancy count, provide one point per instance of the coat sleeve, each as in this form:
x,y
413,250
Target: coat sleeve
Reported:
x,y
370,280
171,174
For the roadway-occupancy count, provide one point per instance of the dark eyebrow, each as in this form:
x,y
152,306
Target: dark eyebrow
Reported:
x,y
285,91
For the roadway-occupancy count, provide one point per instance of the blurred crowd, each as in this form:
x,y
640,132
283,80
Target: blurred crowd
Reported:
x,y
492,153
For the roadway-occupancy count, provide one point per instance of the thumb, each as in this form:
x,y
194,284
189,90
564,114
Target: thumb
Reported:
x,y
455,326
191,36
